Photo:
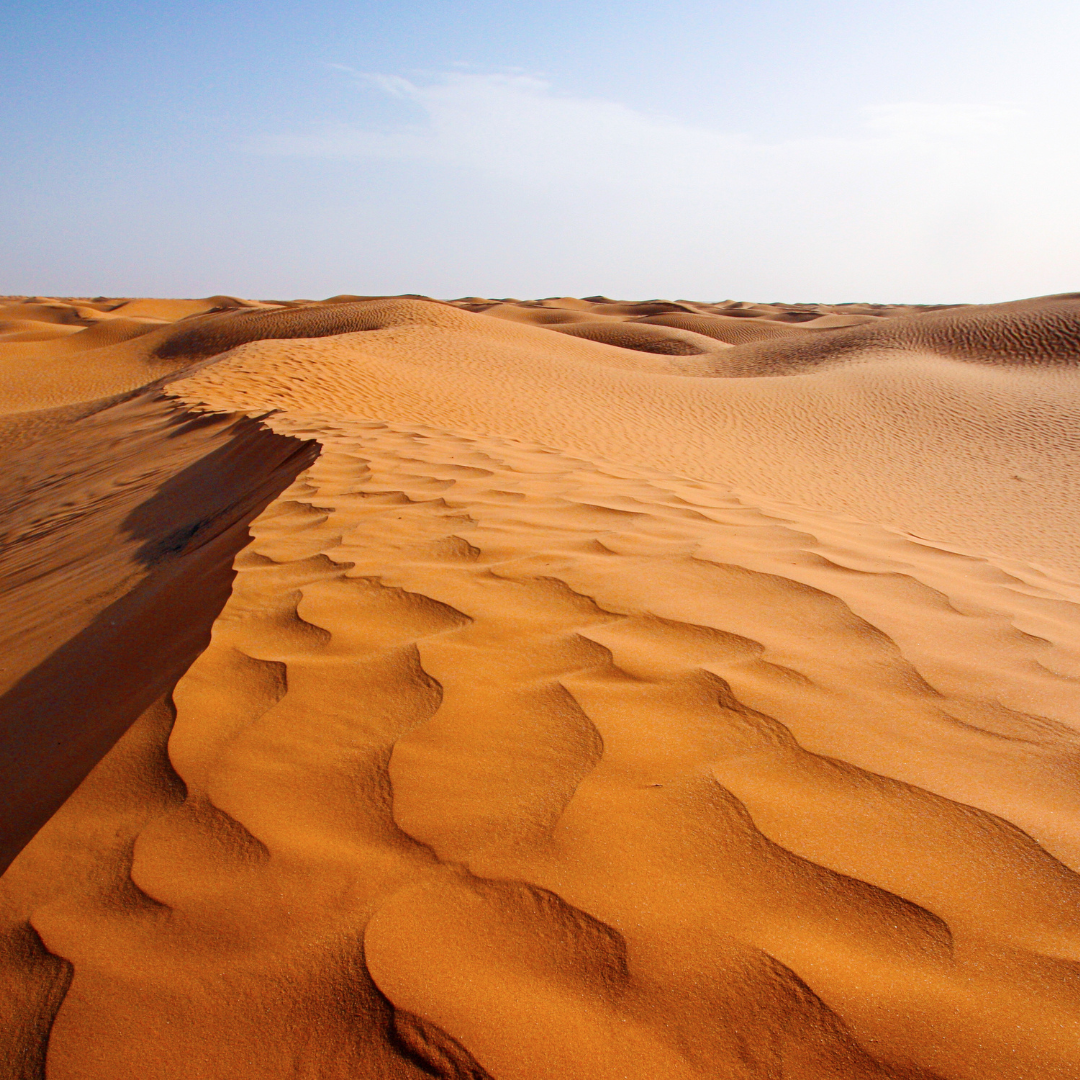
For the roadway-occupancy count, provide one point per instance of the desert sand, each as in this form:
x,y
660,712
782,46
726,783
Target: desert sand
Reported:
x,y
539,690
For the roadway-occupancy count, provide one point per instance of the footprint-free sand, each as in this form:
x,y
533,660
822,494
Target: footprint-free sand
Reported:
x,y
539,690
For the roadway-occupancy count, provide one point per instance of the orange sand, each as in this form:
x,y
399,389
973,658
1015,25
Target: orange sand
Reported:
x,y
626,690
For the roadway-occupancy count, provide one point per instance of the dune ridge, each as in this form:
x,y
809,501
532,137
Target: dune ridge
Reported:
x,y
543,733
119,525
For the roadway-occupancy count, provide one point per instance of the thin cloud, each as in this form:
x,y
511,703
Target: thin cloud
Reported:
x,y
952,192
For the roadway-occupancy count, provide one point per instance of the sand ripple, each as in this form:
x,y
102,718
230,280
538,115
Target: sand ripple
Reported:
x,y
528,748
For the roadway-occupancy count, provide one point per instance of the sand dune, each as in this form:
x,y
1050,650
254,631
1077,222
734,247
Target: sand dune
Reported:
x,y
120,525
612,696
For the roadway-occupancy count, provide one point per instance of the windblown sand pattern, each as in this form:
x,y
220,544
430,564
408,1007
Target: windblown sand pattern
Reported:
x,y
598,690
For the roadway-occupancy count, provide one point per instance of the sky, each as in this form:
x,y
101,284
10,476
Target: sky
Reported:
x,y
776,150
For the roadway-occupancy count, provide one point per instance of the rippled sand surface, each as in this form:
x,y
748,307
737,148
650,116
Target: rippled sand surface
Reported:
x,y
534,690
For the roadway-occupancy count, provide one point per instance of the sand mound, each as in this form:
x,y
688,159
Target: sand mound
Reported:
x,y
36,365
575,714
110,331
55,312
1045,331
638,336
907,418
729,329
213,334
20,330
171,310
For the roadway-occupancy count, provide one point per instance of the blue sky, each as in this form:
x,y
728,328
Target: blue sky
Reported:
x,y
781,150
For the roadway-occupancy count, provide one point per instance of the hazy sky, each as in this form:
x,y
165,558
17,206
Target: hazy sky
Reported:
x,y
772,150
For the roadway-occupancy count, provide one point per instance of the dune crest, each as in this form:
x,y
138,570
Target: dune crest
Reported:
x,y
578,712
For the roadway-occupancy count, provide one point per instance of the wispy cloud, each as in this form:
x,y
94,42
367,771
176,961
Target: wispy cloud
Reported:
x,y
946,191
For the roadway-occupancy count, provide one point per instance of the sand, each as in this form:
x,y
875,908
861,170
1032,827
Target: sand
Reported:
x,y
540,689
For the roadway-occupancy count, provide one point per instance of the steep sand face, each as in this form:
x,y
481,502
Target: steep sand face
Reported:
x,y
579,713
120,521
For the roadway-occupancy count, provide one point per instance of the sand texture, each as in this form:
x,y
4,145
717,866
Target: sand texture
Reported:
x,y
539,690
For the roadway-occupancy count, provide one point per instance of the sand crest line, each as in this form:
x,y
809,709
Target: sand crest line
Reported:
x,y
528,746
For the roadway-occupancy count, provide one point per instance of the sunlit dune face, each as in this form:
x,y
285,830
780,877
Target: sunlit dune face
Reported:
x,y
532,689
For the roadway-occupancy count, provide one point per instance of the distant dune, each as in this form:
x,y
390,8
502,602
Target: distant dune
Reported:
x,y
539,690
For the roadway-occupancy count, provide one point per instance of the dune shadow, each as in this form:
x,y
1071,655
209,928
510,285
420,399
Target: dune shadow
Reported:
x,y
60,718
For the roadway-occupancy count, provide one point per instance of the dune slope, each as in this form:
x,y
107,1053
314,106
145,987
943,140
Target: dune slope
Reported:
x,y
578,712
119,525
